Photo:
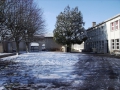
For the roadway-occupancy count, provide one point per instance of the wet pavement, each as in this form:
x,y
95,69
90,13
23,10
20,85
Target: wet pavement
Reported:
x,y
59,71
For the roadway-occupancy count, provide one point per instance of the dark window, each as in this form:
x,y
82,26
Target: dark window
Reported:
x,y
117,47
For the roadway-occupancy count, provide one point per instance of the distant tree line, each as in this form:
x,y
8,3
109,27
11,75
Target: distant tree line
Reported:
x,y
21,20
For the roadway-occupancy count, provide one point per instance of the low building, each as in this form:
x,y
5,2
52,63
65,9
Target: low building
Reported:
x,y
104,37
51,45
11,46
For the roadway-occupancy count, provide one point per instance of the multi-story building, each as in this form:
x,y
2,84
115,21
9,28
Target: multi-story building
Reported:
x,y
105,36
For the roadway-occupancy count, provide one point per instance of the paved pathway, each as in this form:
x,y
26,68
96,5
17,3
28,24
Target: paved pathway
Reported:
x,y
59,71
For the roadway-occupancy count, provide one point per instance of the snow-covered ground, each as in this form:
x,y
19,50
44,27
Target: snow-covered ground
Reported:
x,y
59,71
38,67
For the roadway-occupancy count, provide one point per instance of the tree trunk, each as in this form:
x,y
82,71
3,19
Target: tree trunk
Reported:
x,y
3,46
17,48
69,48
27,47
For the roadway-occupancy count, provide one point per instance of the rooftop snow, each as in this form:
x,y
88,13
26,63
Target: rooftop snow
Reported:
x,y
34,44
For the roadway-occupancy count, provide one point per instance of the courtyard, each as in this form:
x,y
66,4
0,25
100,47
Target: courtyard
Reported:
x,y
59,71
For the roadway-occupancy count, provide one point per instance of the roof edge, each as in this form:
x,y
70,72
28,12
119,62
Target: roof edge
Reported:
x,y
104,21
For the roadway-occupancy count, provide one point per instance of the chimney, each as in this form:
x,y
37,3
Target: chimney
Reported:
x,y
93,24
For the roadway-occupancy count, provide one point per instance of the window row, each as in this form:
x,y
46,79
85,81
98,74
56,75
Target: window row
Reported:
x,y
115,25
97,32
97,44
115,43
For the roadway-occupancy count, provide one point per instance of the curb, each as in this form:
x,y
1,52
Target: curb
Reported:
x,y
7,55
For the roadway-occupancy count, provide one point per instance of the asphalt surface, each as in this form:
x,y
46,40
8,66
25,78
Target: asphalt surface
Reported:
x,y
98,73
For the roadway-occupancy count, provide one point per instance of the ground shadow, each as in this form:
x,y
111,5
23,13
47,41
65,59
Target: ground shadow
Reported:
x,y
97,73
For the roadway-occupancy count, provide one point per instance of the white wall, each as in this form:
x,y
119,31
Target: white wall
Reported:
x,y
78,47
113,34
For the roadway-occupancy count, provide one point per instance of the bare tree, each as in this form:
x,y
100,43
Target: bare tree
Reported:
x,y
24,20
2,18
14,22
4,31
35,25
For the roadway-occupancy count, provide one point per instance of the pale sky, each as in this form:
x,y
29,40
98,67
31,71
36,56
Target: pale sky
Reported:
x,y
92,10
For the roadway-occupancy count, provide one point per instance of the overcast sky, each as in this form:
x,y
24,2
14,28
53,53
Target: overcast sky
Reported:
x,y
92,10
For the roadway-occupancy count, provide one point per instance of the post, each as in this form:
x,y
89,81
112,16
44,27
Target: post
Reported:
x,y
3,42
26,41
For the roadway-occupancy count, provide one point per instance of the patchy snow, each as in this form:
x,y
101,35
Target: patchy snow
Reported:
x,y
1,88
10,57
41,66
60,71
51,76
43,45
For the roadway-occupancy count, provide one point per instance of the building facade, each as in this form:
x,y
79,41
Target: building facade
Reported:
x,y
104,37
51,45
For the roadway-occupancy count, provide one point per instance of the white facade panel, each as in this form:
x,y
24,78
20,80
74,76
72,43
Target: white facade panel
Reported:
x,y
117,34
106,36
112,35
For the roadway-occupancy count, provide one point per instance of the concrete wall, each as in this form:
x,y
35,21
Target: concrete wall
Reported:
x,y
1,48
12,46
51,45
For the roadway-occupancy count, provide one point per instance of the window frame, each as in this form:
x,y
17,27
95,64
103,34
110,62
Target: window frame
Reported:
x,y
112,26
117,43
116,24
112,44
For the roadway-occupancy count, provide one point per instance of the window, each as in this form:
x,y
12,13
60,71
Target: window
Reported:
x,y
95,44
112,43
102,27
113,40
102,31
116,24
117,43
112,26
102,47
